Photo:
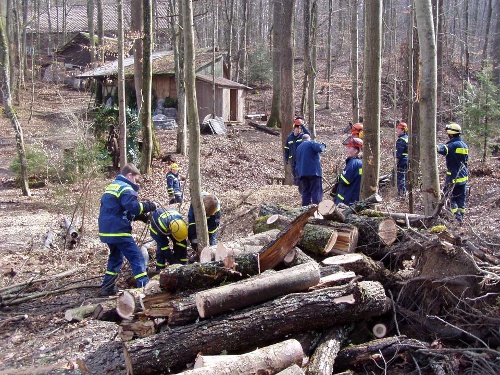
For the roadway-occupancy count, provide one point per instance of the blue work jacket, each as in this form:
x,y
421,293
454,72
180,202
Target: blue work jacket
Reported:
x,y
457,156
350,182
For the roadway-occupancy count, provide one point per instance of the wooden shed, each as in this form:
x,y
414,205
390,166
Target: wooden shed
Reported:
x,y
229,95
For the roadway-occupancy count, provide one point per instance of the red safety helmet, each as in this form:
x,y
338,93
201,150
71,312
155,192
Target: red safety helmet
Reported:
x,y
357,129
355,142
298,122
402,125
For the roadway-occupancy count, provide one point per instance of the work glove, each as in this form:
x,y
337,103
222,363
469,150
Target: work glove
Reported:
x,y
142,217
149,206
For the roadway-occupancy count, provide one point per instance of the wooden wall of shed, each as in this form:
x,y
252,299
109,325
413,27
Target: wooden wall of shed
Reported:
x,y
164,86
204,99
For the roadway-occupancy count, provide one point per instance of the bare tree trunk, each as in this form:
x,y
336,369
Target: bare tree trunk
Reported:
x,y
312,68
100,33
487,33
147,75
428,159
90,20
329,55
307,56
274,118
17,50
193,123
496,45
177,39
354,61
7,103
136,27
440,53
122,134
466,41
371,84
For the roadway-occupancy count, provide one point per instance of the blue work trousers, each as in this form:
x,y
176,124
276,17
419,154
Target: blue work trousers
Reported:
x,y
312,189
117,251
402,168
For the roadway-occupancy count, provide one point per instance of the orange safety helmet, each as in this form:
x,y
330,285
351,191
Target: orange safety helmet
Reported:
x,y
402,125
298,122
355,142
357,130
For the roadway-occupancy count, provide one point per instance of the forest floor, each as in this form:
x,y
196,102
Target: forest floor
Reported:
x,y
238,167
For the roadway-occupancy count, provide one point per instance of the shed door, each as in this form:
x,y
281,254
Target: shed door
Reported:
x,y
233,111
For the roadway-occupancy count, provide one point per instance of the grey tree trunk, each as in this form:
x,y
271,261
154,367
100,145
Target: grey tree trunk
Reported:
x,y
354,61
428,108
313,69
147,131
329,55
136,26
100,32
274,117
307,56
487,33
371,84
496,45
9,110
193,124
90,20
122,118
177,39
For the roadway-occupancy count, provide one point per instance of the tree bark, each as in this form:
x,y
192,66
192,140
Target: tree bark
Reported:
x,y
360,264
256,290
136,28
122,118
374,231
323,359
330,211
267,360
147,77
255,326
177,278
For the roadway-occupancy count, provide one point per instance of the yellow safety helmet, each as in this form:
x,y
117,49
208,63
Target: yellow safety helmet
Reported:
x,y
453,128
179,229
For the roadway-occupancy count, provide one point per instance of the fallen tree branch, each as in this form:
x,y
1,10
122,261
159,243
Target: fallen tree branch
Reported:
x,y
46,293
43,279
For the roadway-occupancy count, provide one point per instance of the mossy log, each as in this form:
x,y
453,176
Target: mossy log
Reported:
x,y
374,233
177,278
262,324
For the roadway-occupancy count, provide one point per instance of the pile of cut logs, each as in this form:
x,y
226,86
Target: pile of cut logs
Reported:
x,y
284,300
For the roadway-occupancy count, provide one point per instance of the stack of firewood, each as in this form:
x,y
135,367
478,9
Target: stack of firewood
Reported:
x,y
284,300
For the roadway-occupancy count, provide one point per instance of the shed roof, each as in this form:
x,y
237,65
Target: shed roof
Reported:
x,y
222,82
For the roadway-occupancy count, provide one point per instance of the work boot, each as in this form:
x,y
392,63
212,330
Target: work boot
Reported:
x,y
108,292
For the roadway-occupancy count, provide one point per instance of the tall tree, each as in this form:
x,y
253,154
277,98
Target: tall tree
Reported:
x,y
100,32
9,110
306,47
274,117
354,61
147,77
328,72
178,45
371,109
122,116
193,124
427,103
496,45
90,21
136,27
313,51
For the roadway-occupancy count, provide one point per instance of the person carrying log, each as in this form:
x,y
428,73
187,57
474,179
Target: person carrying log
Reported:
x,y
119,206
213,213
457,175
174,184
168,225
349,182
309,171
293,141
401,157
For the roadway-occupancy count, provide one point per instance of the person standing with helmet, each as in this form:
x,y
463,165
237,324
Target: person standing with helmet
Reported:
x,y
349,184
402,157
309,171
119,206
457,175
293,141
213,213
174,184
168,224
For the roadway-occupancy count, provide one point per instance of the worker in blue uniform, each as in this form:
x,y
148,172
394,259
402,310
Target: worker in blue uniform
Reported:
x,y
293,141
349,182
168,225
401,157
213,212
309,171
457,175
119,206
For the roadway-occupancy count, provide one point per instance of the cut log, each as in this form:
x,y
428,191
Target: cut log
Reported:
x,y
106,311
211,360
296,257
267,360
178,311
360,264
292,370
402,218
256,290
334,279
129,302
136,329
375,351
177,278
267,322
273,253
323,359
247,245
79,313
272,209
374,232
264,128
330,211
